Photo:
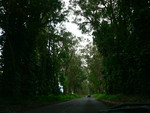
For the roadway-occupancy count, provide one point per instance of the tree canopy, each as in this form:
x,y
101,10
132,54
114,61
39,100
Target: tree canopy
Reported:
x,y
38,54
121,32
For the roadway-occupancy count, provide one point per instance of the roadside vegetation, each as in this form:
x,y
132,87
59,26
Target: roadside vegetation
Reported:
x,y
38,56
120,98
56,98
120,31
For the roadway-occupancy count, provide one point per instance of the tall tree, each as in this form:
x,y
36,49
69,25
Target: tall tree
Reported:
x,y
94,68
22,21
122,38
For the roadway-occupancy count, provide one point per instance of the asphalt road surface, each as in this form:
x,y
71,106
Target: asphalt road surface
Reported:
x,y
81,105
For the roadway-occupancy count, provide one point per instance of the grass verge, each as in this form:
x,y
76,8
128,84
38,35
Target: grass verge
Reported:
x,y
112,100
56,98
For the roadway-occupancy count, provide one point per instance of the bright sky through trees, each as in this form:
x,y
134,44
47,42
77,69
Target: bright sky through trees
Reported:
x,y
42,48
73,28
0,31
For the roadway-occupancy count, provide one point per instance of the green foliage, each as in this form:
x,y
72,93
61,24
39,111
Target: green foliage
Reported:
x,y
56,98
38,54
75,75
94,68
120,31
120,98
117,97
31,47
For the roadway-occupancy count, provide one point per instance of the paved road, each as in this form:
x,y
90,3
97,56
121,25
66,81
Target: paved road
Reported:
x,y
81,105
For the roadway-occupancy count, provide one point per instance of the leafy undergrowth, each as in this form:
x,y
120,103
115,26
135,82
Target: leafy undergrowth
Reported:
x,y
56,98
37,101
120,99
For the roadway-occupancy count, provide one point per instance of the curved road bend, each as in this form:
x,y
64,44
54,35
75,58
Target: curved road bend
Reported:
x,y
81,105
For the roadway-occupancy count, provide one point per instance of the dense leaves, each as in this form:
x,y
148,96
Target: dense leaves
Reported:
x,y
120,30
94,68
24,29
37,53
